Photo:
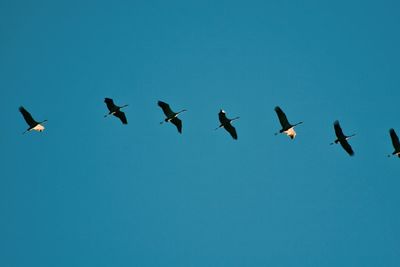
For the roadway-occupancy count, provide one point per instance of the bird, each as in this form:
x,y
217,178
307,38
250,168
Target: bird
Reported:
x,y
115,110
395,142
33,125
171,116
226,123
342,139
287,128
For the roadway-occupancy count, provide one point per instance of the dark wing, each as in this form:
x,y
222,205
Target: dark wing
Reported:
x,y
121,116
166,109
282,118
28,117
230,129
110,104
346,146
395,139
338,130
178,123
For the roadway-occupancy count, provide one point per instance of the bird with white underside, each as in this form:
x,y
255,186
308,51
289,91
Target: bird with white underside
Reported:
x,y
287,128
33,125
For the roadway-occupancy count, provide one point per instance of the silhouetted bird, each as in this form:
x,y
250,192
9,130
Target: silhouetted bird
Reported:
x,y
395,142
287,128
115,110
171,116
226,123
342,139
33,125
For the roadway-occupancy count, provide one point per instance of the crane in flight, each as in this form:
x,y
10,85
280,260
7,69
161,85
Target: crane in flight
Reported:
x,y
171,116
342,138
115,110
33,125
226,123
287,128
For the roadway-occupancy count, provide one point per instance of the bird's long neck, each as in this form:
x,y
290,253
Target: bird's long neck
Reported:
x,y
124,106
183,110
297,123
43,122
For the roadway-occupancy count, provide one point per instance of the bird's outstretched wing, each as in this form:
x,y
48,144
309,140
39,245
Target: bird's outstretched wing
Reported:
x,y
282,118
231,130
110,104
338,130
121,116
395,139
28,117
178,123
166,109
346,146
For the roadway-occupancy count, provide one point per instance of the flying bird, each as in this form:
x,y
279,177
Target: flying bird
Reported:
x,y
33,125
287,128
171,116
342,139
115,110
226,123
395,142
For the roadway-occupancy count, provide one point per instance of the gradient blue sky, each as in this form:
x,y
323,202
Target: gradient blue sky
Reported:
x,y
91,192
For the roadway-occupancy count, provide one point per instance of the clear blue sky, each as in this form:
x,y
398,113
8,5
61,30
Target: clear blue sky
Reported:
x,y
91,192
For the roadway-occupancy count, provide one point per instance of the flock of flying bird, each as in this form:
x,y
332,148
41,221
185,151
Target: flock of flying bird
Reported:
x,y
225,122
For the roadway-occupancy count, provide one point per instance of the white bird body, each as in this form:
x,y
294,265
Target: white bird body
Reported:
x,y
291,133
38,128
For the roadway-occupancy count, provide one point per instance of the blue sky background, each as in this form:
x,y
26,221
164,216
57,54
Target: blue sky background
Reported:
x,y
91,192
